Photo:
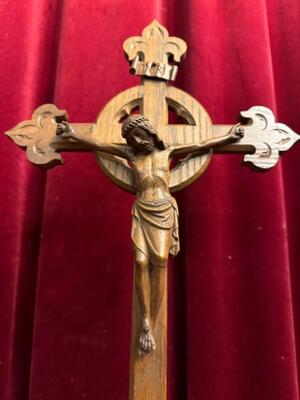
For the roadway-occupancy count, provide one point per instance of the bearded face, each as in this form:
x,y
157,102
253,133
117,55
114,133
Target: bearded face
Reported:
x,y
140,141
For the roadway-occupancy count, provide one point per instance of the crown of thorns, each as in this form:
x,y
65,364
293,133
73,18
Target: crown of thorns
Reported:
x,y
139,121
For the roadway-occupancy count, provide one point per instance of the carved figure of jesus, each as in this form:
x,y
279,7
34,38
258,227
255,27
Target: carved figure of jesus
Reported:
x,y
155,212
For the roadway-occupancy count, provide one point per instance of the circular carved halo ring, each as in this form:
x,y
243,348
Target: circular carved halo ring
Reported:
x,y
198,128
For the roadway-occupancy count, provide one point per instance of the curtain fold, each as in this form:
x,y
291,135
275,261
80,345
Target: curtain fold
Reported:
x,y
65,251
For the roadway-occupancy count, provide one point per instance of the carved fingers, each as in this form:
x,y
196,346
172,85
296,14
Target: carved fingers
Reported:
x,y
64,129
237,132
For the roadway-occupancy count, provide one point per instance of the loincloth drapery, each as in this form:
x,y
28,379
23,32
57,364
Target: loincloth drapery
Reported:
x,y
149,218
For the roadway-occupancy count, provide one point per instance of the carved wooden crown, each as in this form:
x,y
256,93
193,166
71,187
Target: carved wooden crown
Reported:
x,y
152,53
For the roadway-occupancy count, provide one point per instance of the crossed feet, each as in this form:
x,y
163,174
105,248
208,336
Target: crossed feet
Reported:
x,y
146,342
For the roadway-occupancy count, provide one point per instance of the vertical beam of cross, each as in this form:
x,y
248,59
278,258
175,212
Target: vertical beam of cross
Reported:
x,y
154,106
148,376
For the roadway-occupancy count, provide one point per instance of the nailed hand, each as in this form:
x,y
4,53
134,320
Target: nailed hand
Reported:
x,y
64,129
237,133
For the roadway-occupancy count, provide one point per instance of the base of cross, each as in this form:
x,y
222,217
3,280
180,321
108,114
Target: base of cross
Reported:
x,y
148,373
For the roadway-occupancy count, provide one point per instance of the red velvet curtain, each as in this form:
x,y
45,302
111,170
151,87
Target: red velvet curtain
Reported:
x,y
65,257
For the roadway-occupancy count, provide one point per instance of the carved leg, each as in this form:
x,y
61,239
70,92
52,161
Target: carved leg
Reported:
x,y
158,277
148,373
146,341
142,283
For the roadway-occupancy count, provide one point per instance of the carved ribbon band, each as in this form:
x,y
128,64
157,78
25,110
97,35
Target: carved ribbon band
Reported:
x,y
154,70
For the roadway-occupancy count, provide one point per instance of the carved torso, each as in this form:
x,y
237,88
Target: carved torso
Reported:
x,y
152,175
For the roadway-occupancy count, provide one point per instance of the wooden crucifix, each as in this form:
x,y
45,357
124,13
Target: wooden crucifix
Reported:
x,y
134,142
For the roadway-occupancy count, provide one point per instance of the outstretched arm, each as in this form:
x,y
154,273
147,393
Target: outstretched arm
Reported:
x,y
235,133
64,129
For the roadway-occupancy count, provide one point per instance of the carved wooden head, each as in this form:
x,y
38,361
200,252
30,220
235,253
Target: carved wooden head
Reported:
x,y
140,135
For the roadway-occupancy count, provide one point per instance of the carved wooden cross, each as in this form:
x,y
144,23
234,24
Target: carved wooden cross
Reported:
x,y
155,56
